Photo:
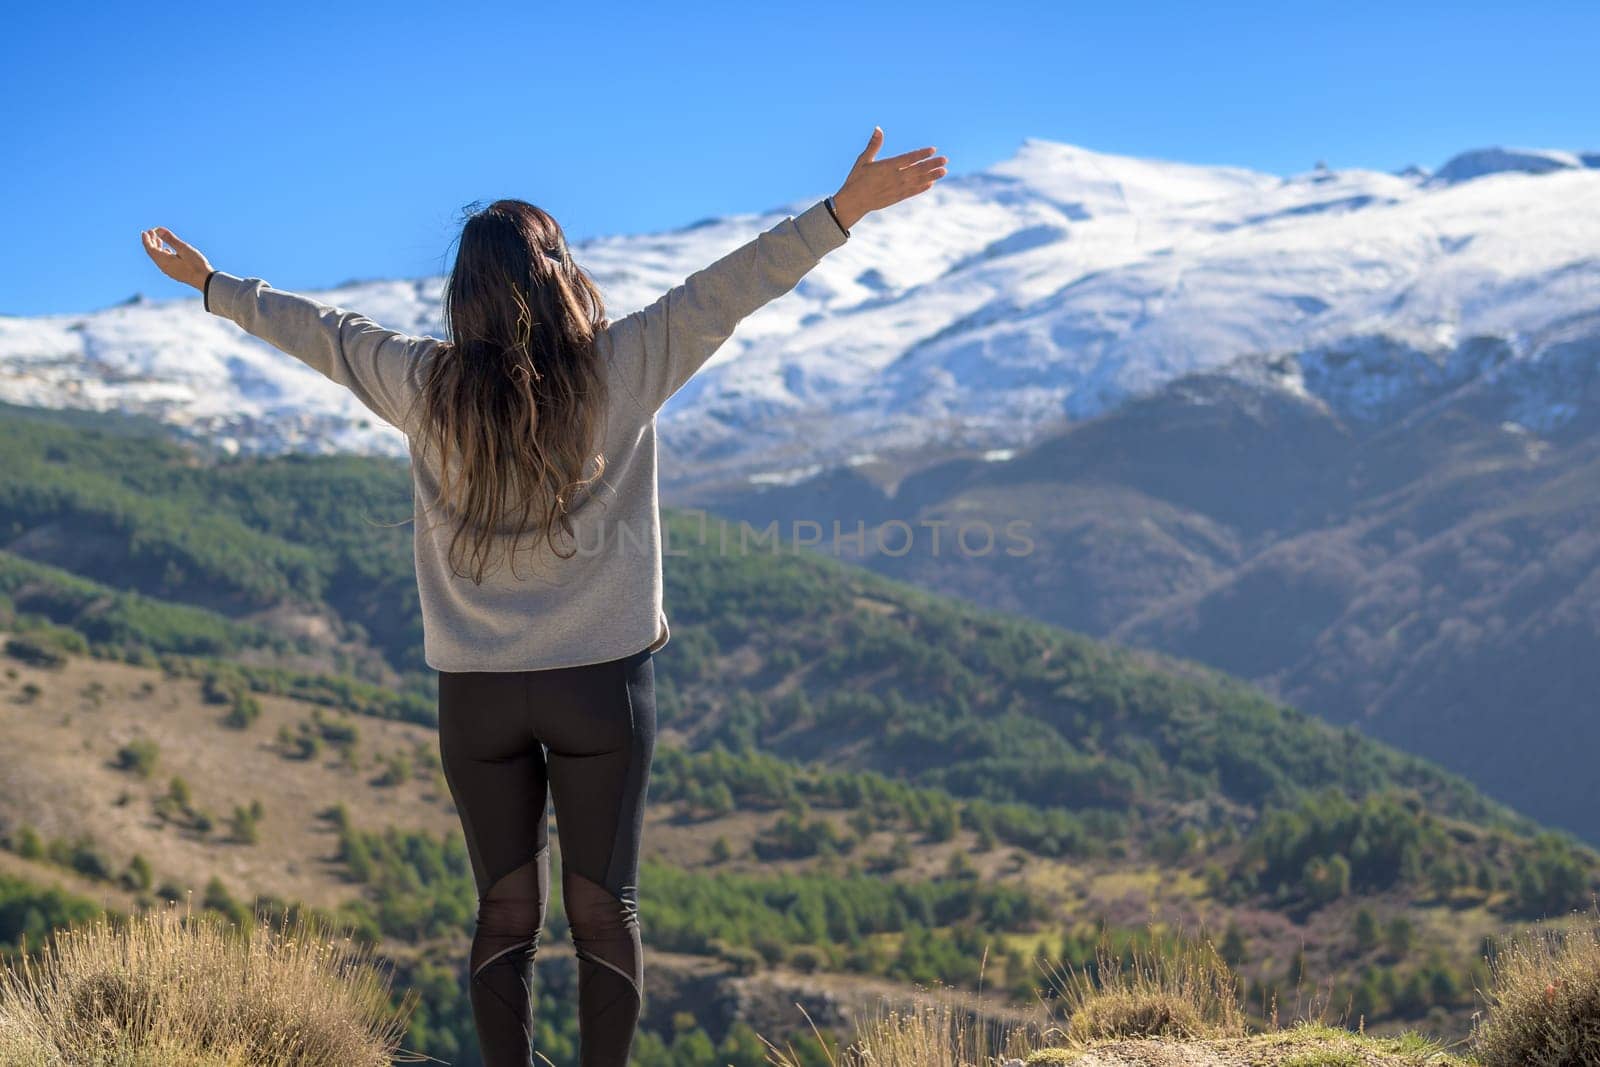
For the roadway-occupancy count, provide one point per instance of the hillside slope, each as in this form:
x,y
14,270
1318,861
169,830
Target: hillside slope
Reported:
x,y
1423,565
112,768
799,654
857,781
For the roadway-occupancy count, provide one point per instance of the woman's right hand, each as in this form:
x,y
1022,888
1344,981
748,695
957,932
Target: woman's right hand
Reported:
x,y
873,184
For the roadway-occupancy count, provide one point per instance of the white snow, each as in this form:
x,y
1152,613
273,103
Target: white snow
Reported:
x,y
1482,161
1052,285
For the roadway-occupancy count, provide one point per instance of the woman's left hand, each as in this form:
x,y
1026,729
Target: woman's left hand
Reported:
x,y
183,263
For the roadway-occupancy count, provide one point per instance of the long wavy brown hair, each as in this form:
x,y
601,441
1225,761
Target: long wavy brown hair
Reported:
x,y
514,398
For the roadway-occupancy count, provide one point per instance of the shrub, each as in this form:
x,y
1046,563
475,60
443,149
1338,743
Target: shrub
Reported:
x,y
170,987
396,771
305,746
214,690
34,653
745,960
246,709
1399,936
29,845
1544,1000
1366,930
808,959
1166,990
138,876
90,860
138,756
245,823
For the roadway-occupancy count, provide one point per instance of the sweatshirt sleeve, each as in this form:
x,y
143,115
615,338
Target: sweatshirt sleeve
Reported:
x,y
376,364
657,349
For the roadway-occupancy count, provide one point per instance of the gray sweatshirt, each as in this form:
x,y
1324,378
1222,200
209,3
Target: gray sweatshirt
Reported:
x,y
605,602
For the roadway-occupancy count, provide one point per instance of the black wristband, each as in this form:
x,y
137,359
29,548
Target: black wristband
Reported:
x,y
205,292
834,212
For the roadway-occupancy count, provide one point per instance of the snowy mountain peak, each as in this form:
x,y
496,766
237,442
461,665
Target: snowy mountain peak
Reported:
x,y
1053,285
1069,173
1481,162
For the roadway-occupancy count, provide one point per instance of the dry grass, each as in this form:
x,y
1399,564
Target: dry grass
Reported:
x,y
947,1031
1302,1045
175,987
923,1034
1174,1004
58,775
1182,991
1543,1000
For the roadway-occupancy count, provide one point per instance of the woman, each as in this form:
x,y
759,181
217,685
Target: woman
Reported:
x,y
536,419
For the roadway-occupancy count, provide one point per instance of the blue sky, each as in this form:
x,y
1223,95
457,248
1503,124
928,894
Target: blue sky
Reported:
x,y
310,146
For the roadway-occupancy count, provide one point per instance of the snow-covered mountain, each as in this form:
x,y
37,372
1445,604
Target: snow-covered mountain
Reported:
x,y
1050,286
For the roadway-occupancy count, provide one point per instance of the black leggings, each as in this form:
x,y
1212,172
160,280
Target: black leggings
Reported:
x,y
584,734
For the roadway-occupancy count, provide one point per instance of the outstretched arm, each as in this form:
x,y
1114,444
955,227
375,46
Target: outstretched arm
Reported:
x,y
658,348
376,364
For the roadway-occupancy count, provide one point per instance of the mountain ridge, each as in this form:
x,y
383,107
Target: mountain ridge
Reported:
x,y
1410,551
1049,287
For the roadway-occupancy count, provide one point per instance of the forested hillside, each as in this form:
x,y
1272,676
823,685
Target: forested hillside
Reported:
x,y
858,783
1423,566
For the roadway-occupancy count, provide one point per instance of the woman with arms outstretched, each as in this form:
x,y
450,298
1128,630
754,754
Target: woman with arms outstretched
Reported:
x,y
535,420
